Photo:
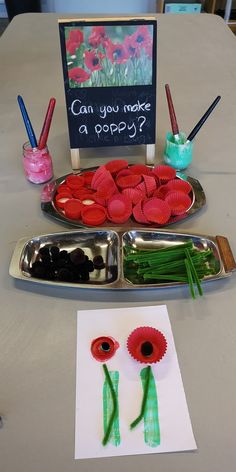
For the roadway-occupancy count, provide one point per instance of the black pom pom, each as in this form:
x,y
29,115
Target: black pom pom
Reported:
x,y
98,262
77,256
54,251
44,251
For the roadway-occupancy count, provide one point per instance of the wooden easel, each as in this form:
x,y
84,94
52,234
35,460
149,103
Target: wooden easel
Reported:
x,y
150,156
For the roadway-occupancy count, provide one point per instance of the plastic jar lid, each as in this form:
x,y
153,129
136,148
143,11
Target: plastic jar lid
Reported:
x,y
73,209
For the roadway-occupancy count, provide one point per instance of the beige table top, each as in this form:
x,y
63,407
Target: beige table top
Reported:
x,y
196,56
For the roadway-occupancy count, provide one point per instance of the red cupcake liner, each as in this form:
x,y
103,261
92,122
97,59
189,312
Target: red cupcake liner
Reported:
x,y
161,192
107,187
179,202
119,219
156,210
101,201
150,184
72,209
93,215
134,195
147,345
179,185
164,173
101,179
142,188
104,348
100,172
105,192
123,172
139,215
140,169
116,165
119,205
128,181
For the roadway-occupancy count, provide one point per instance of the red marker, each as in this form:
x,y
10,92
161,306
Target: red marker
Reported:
x,y
47,123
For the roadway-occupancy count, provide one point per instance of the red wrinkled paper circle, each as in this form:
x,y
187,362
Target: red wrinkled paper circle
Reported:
x,y
179,185
147,345
116,165
179,202
164,173
104,348
156,210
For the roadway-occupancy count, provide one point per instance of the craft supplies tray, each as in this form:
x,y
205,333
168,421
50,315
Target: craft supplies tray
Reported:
x,y
105,254
49,204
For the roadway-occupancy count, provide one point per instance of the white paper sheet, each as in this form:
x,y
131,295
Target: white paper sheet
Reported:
x,y
175,425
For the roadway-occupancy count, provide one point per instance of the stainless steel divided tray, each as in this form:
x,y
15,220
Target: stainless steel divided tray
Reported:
x,y
48,205
110,245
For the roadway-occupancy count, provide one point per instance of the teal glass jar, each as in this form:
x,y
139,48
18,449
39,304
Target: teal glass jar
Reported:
x,y
178,154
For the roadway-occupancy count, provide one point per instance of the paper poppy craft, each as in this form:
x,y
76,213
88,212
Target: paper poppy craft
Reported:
x,y
130,396
103,349
148,345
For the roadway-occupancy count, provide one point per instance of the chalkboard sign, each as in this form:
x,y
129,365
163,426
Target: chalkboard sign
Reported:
x,y
109,69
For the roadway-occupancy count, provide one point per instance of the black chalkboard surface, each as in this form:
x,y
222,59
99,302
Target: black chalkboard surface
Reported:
x,y
109,69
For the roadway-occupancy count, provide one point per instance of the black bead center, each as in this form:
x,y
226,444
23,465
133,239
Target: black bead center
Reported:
x,y
105,346
147,349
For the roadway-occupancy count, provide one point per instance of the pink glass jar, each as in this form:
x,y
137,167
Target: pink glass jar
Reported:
x,y
37,164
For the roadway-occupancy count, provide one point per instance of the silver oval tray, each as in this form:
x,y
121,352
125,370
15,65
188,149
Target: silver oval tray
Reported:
x,y
50,189
110,245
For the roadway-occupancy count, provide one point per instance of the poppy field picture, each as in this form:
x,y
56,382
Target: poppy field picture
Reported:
x,y
109,56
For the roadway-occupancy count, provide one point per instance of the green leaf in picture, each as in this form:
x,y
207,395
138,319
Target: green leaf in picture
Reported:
x,y
80,55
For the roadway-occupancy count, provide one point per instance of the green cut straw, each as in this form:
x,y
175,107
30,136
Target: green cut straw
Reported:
x,y
144,401
114,399
190,278
173,277
194,272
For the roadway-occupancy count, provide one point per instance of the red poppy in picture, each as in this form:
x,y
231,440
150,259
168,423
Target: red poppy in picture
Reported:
x,y
92,61
130,46
104,348
78,75
117,53
75,39
141,37
71,47
97,37
76,36
147,345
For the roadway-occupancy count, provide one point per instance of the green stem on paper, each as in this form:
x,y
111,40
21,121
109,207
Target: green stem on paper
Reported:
x,y
115,406
152,435
144,401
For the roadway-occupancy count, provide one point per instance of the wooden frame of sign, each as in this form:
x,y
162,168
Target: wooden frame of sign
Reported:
x,y
109,68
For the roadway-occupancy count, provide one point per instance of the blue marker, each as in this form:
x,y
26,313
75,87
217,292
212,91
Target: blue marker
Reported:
x,y
29,128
